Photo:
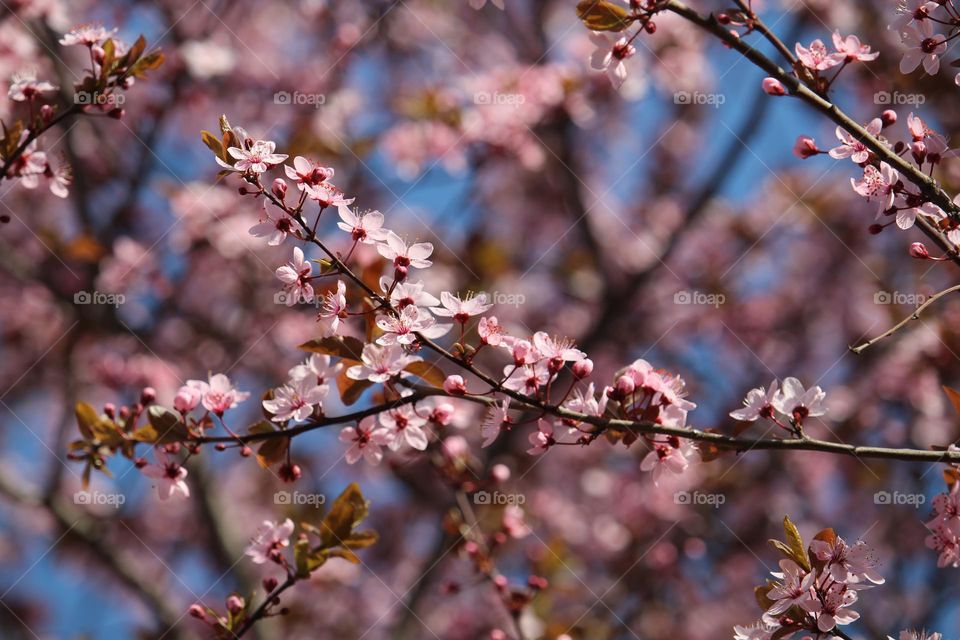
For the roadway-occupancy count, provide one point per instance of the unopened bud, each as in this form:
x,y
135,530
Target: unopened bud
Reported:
x,y
234,604
279,188
148,395
888,117
773,87
582,368
919,251
454,385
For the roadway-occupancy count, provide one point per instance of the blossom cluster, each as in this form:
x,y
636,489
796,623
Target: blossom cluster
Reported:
x,y
787,406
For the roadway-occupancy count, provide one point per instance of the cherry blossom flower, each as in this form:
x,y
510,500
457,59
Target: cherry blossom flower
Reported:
x,y
757,631
333,309
816,57
405,256
328,195
462,310
556,350
403,426
923,46
665,457
794,401
496,421
25,86
318,367
526,379
408,293
296,399
364,440
270,540
169,475
86,35
541,439
256,160
757,404
946,543
852,48
853,148
878,184
381,363
907,216
219,394
306,174
586,402
491,331
274,230
188,397
830,608
847,564
917,635
295,276
366,228
793,589
403,327
609,56
60,179
909,11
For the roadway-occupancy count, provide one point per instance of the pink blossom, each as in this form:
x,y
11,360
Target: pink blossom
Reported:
x,y
847,564
852,48
541,439
609,55
256,159
853,148
188,397
270,540
381,363
830,609
86,35
794,588
318,367
462,310
526,379
910,10
219,394
664,457
556,350
923,46
878,184
805,147
274,230
514,523
403,327
491,331
757,404
306,174
333,309
408,293
405,256
496,421
773,87
816,57
403,426
25,86
364,442
366,228
296,399
757,631
454,385
169,475
328,195
793,400
295,276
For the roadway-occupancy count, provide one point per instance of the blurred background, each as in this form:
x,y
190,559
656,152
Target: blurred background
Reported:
x,y
668,221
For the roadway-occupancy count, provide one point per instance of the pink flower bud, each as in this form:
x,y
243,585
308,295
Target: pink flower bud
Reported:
x,y
187,399
582,368
456,447
500,473
537,582
197,612
805,147
442,414
521,350
46,112
234,604
148,395
279,188
773,87
454,385
919,251
888,117
625,386
110,409
501,582
289,472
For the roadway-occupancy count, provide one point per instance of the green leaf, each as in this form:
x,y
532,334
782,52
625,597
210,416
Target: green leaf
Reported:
x,y
795,543
165,427
348,510
361,539
346,347
600,15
